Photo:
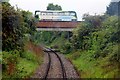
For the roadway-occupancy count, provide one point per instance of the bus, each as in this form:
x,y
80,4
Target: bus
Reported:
x,y
56,15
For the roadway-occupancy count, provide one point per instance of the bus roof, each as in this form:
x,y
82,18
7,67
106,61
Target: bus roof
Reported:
x,y
55,11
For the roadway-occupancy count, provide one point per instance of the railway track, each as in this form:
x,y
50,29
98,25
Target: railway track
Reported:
x,y
63,72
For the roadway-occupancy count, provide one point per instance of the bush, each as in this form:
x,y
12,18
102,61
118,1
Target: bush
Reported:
x,y
14,66
29,56
16,23
9,61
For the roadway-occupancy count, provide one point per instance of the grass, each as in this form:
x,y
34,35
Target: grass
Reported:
x,y
59,41
89,67
26,67
21,65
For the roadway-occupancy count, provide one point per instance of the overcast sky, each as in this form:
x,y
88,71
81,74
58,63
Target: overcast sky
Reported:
x,y
80,6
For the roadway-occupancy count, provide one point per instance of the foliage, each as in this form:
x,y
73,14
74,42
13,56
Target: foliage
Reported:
x,y
12,28
0,57
94,43
18,28
93,68
97,46
89,37
29,22
113,9
16,67
53,39
9,61
51,6
16,23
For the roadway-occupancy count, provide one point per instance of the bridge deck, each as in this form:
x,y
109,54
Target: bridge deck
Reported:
x,y
57,25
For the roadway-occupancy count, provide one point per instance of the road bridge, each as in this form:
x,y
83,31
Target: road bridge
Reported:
x,y
57,25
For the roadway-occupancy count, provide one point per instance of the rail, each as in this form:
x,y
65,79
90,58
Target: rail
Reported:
x,y
49,63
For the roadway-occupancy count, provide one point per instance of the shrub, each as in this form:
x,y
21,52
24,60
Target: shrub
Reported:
x,y
9,61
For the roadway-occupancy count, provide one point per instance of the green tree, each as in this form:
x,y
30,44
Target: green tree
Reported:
x,y
13,29
29,21
29,24
51,6
16,24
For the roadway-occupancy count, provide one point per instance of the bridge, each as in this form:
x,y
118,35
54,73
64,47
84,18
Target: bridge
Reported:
x,y
57,25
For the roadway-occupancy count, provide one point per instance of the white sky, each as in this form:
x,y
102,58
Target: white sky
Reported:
x,y
80,6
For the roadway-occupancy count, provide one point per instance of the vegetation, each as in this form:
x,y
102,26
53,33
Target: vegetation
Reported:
x,y
51,6
113,8
11,16
95,44
20,66
92,47
18,59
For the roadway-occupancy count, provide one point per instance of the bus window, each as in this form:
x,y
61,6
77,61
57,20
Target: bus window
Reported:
x,y
72,14
66,13
49,13
43,13
55,13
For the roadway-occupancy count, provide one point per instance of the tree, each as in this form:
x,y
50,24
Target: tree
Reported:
x,y
113,8
29,22
51,6
12,30
16,23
